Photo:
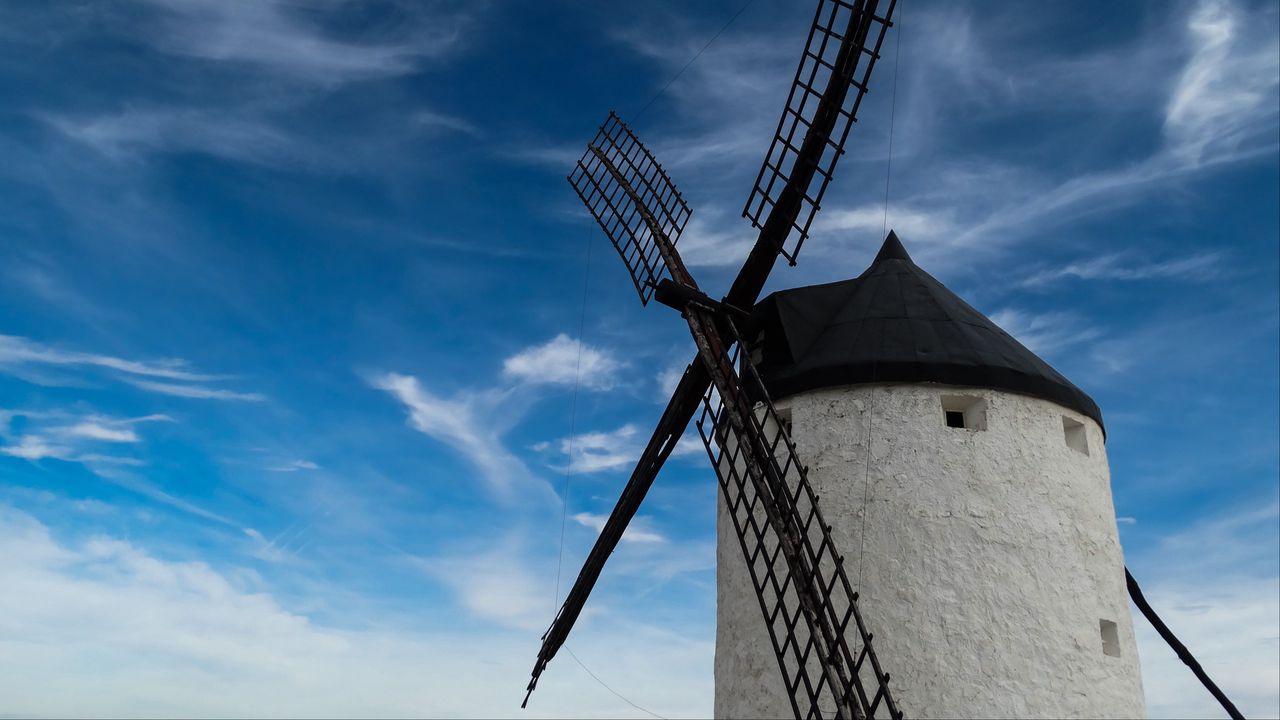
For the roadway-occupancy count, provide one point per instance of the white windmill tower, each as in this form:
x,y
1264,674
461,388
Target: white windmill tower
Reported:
x,y
966,482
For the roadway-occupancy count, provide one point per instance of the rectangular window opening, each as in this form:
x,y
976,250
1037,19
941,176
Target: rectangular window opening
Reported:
x,y
784,418
965,412
1110,638
1075,434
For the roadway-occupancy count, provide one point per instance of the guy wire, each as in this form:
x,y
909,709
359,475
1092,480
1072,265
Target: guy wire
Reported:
x,y
871,402
568,470
577,371
696,55
573,416
893,111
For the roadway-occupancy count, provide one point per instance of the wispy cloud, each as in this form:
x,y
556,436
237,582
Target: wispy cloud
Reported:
x,y
195,391
496,585
473,422
1119,266
18,350
97,431
469,423
1045,333
669,379
34,447
295,466
292,41
431,120
240,136
71,436
600,451
1226,95
869,220
93,441
563,361
634,532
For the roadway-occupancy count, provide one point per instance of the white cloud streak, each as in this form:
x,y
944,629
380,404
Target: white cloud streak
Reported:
x,y
600,451
1117,266
467,423
285,39
240,136
97,431
34,447
634,532
563,361
295,466
195,392
1226,94
19,350
47,438
1045,333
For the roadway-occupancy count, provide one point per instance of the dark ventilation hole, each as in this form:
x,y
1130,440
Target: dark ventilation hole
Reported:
x,y
1110,638
965,412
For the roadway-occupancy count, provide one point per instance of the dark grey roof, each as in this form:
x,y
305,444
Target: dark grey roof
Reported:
x,y
896,323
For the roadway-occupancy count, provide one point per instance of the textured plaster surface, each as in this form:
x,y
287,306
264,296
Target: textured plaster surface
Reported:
x,y
985,559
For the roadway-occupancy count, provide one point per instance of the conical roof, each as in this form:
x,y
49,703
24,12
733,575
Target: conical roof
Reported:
x,y
895,323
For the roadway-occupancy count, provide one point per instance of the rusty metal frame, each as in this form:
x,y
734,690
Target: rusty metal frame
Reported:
x,y
633,200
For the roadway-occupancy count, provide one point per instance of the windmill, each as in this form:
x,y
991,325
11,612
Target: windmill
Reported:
x,y
987,543
819,638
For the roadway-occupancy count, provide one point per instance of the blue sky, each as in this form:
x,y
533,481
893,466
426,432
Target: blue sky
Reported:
x,y
292,318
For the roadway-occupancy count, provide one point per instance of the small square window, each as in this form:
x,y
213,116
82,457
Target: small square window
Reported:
x,y
1075,434
1110,638
964,412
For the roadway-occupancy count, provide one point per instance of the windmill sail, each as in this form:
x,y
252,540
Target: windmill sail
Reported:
x,y
632,199
681,407
810,609
826,94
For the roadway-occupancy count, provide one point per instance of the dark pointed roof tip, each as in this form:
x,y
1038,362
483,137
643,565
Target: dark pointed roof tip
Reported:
x,y
892,249
896,323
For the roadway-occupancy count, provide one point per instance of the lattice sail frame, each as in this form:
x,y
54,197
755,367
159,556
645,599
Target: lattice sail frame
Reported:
x,y
822,59
799,650
630,216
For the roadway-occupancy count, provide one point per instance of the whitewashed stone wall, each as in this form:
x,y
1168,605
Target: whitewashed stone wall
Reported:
x,y
990,558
